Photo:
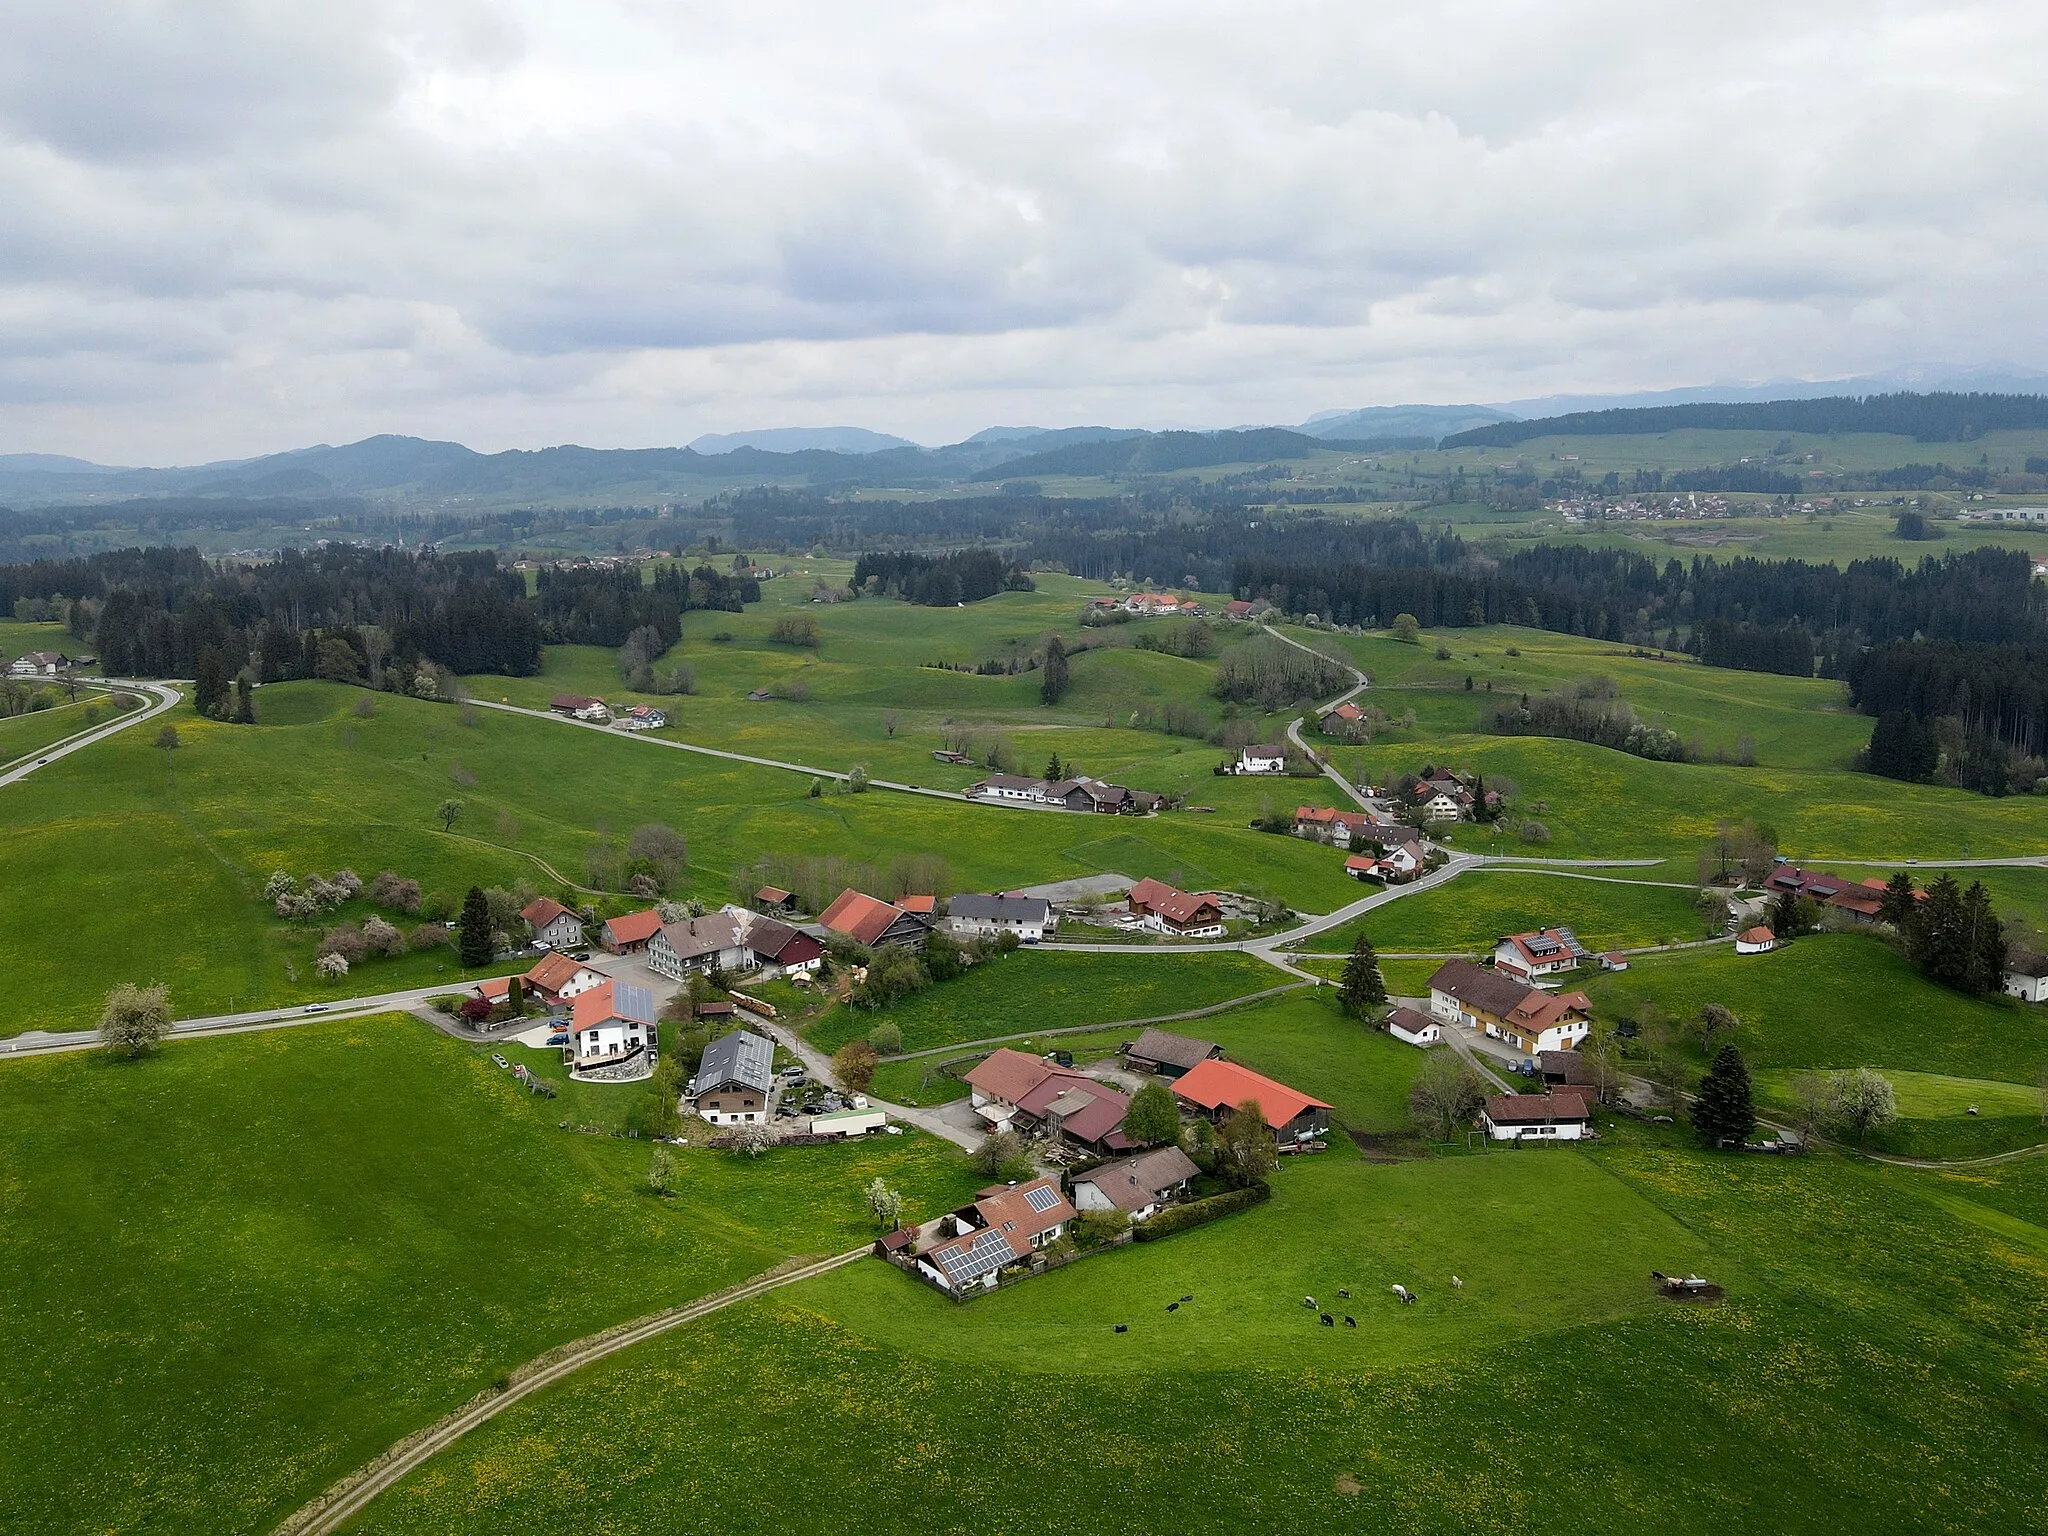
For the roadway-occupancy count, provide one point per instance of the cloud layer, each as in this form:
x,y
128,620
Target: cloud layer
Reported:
x,y
234,226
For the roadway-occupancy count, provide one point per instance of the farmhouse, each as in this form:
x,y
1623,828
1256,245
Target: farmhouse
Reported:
x,y
1535,1117
2026,978
576,706
972,916
734,1078
1270,758
559,979
611,1026
698,944
1333,826
1215,1088
1542,953
1568,1069
1075,794
1004,1226
871,921
644,717
630,934
1508,1010
1447,796
1164,909
1168,1055
38,664
1009,1088
771,898
1412,1028
1137,1186
1789,879
552,924
1396,864
777,949
1755,941
1345,717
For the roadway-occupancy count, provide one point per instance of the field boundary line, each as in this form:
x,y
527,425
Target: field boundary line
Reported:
x,y
1086,1029
354,1492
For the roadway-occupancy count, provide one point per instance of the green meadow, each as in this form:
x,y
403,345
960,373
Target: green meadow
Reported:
x,y
1847,1286
242,1268
1472,912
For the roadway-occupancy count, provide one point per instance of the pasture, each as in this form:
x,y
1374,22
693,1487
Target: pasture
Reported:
x,y
1466,916
243,1267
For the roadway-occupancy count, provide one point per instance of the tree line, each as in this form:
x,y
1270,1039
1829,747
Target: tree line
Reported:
x,y
940,581
1936,417
1975,716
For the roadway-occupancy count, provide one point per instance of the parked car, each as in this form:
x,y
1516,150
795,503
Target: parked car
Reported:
x,y
559,1039
501,1061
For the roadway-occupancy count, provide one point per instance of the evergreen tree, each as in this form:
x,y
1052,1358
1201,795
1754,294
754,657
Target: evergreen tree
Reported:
x,y
1725,1113
1363,987
1984,940
474,938
1903,746
245,702
1052,680
210,685
1900,904
1937,942
1052,769
515,994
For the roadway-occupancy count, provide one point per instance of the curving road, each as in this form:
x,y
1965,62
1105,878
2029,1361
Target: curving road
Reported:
x,y
161,696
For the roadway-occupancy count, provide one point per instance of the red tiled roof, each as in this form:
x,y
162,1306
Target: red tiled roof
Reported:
x,y
1215,1084
634,927
553,973
1758,935
1176,905
592,1008
922,904
1546,1010
861,918
1008,1075
1362,863
1102,1114
544,911
494,989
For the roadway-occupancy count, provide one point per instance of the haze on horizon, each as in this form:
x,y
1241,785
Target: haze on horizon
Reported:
x,y
237,227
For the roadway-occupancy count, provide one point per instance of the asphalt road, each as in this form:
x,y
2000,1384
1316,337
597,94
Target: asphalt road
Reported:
x,y
161,696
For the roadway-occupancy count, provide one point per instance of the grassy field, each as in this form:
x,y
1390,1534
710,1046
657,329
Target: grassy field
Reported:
x,y
1939,1117
1830,1001
248,1265
1478,907
1050,990
1847,1287
174,847
21,735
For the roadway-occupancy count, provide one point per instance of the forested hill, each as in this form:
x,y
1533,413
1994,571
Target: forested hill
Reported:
x,y
1929,418
1156,453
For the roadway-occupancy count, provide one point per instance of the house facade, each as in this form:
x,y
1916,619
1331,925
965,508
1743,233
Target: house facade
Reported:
x,y
38,664
1138,1186
1165,1054
713,942
974,916
612,1029
1413,1028
2026,978
1542,953
734,1079
630,934
781,950
1506,1009
559,979
1265,758
1755,941
577,706
1536,1117
1163,909
553,925
1215,1088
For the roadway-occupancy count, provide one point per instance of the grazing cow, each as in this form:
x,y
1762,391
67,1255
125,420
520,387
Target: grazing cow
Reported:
x,y
1189,1297
1173,1306
1350,1321
1123,1327
1329,1321
1401,1291
1457,1284
1310,1303
1344,1295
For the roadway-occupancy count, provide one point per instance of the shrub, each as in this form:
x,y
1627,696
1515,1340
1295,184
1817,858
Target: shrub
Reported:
x,y
795,629
1091,1229
887,1039
431,935
331,966
1178,1218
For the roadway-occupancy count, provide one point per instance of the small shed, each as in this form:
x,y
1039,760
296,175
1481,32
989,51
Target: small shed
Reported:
x,y
1755,941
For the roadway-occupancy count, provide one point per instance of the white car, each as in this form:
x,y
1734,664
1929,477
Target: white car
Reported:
x,y
314,1008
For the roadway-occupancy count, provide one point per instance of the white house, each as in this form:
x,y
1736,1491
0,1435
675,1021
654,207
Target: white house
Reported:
x,y
1028,917
1542,953
37,664
1441,806
1004,1226
1755,941
553,925
1137,1186
1536,1117
1412,1028
1262,759
2026,978
612,1026
699,944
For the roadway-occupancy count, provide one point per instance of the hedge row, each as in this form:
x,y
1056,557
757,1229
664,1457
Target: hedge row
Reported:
x,y
1178,1218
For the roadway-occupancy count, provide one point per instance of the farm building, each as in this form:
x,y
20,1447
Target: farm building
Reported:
x,y
1755,941
1263,758
1508,1010
975,916
2026,978
1542,953
698,944
1412,1028
1536,1117
1004,1226
553,924
1215,1088
630,934
871,921
1168,1055
1164,909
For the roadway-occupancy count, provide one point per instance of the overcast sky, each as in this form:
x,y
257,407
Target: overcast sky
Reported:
x,y
229,227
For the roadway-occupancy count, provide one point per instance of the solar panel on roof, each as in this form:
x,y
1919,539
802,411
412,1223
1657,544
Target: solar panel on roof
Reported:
x,y
988,1252
1042,1199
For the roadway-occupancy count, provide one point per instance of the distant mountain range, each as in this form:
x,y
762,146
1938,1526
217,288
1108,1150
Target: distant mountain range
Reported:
x,y
426,471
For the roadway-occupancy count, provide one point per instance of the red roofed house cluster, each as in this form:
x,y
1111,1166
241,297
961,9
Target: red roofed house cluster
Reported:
x,y
1505,1009
1215,1088
874,922
1011,1089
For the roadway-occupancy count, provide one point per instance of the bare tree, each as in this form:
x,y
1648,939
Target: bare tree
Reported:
x,y
1713,1022
449,812
1446,1095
